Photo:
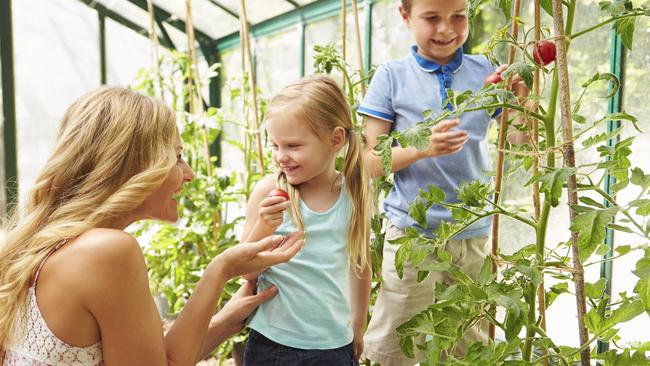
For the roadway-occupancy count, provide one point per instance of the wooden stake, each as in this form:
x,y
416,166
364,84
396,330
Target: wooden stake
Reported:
x,y
503,133
357,32
251,73
569,161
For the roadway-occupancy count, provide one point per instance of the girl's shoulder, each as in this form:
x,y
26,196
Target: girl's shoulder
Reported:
x,y
266,184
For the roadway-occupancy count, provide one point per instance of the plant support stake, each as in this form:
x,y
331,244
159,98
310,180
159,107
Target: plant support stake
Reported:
x,y
569,161
503,133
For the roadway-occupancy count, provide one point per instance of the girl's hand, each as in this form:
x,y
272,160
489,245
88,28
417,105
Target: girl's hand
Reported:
x,y
257,256
271,212
444,142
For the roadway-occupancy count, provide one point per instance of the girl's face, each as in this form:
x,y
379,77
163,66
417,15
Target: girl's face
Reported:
x,y
440,27
301,154
161,205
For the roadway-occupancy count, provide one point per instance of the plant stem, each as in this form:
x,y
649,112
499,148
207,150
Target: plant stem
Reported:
x,y
505,105
612,19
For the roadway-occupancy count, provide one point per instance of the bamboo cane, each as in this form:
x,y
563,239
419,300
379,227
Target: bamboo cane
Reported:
x,y
569,161
541,291
357,33
344,32
503,126
251,73
153,38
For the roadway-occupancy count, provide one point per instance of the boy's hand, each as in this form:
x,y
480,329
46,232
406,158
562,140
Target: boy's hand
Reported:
x,y
444,142
518,86
271,212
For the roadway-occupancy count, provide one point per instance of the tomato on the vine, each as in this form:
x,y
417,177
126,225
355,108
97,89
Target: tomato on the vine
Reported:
x,y
544,52
279,193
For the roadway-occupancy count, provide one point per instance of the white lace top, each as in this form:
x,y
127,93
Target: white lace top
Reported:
x,y
35,345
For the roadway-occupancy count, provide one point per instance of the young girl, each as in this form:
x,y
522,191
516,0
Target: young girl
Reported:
x,y
73,284
317,318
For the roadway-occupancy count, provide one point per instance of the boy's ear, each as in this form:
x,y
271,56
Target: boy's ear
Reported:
x,y
338,138
406,17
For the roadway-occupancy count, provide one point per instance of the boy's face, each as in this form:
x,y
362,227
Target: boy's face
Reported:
x,y
440,27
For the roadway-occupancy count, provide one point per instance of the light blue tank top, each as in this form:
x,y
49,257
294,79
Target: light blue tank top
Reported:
x,y
312,307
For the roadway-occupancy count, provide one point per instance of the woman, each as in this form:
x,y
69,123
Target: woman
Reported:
x,y
117,159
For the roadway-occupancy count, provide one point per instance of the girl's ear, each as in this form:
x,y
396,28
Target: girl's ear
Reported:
x,y
337,139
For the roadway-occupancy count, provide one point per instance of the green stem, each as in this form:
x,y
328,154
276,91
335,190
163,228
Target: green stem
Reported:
x,y
508,106
612,19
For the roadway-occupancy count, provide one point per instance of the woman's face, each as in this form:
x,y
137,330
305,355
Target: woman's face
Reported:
x,y
161,205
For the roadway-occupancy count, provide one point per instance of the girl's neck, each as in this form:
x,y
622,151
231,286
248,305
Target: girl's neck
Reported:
x,y
323,182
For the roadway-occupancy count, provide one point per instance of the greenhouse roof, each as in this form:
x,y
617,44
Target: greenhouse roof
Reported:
x,y
215,21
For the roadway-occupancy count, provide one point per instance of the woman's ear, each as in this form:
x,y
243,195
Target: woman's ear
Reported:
x,y
337,139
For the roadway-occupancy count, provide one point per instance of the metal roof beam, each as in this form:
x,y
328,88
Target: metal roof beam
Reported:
x,y
172,20
124,21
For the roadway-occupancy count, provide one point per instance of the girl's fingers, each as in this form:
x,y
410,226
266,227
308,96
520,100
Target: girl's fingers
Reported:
x,y
273,200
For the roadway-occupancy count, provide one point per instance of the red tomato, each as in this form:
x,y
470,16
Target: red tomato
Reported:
x,y
544,52
494,78
279,193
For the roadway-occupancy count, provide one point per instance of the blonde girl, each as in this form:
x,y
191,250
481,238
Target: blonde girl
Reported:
x,y
319,314
73,284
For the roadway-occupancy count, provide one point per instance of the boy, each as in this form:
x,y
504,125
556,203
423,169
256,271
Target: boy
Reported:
x,y
399,92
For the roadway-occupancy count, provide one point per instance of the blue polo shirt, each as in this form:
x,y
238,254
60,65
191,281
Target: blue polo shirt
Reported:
x,y
399,92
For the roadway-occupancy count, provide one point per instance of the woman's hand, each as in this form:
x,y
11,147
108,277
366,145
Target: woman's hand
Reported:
x,y
257,256
242,304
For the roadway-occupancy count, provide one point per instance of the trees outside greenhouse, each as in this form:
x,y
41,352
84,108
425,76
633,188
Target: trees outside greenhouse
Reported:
x,y
573,204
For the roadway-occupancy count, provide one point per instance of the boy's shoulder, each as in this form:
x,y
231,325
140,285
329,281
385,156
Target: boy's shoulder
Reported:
x,y
476,61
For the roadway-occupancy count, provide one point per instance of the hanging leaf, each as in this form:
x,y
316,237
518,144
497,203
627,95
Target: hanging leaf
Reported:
x,y
625,28
547,5
522,69
506,8
551,183
590,227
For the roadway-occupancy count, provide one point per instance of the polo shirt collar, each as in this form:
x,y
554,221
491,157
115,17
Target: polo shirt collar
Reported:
x,y
432,66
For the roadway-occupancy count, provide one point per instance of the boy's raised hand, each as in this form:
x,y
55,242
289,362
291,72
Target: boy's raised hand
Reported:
x,y
443,141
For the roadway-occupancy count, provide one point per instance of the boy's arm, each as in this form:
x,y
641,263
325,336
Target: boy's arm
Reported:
x,y
359,302
520,89
441,142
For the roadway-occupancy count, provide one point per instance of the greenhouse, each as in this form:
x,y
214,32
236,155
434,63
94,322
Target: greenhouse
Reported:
x,y
325,182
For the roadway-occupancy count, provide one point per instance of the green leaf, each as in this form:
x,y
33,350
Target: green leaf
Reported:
x,y
621,228
522,69
401,256
417,136
590,227
555,291
625,28
595,290
623,249
385,148
435,195
643,206
639,178
591,202
418,212
551,183
547,5
485,275
506,8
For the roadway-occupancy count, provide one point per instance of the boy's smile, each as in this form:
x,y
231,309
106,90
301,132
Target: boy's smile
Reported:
x,y
440,27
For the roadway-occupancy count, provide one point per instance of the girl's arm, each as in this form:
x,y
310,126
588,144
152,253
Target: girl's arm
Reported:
x,y
359,302
441,142
263,215
116,292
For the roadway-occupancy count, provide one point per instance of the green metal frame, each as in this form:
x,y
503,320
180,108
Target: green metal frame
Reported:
x,y
615,104
309,13
102,47
8,107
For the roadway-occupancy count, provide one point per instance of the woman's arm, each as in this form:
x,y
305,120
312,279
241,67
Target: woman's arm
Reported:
x,y
121,302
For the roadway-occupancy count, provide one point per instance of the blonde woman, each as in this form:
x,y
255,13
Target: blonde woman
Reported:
x,y
73,284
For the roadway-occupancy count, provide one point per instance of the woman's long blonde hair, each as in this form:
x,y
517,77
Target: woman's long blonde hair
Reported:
x,y
320,103
114,148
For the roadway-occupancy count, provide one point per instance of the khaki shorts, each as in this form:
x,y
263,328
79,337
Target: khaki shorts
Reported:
x,y
399,300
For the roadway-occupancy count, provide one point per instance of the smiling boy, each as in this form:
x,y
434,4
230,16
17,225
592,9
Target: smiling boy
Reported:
x,y
399,92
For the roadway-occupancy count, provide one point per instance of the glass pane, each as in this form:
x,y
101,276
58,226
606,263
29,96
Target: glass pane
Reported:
x,y
208,18
278,61
56,61
390,36
259,10
126,53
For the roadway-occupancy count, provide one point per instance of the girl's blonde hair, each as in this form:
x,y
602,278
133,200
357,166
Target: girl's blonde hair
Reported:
x,y
114,148
320,103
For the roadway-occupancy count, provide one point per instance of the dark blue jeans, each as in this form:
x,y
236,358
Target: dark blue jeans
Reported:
x,y
261,351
